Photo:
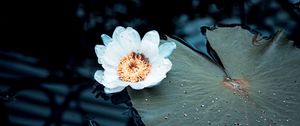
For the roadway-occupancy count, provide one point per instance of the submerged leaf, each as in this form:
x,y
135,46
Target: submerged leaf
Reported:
x,y
262,87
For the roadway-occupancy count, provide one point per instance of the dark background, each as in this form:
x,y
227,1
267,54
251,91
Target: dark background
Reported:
x,y
47,57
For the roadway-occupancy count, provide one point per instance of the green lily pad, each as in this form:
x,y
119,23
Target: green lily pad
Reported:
x,y
262,85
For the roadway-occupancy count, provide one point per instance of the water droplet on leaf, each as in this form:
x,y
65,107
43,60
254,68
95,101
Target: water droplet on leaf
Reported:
x,y
185,114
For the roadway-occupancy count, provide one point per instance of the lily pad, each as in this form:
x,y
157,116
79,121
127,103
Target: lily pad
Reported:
x,y
261,87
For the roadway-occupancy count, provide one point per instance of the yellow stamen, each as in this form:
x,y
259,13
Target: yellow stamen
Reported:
x,y
133,67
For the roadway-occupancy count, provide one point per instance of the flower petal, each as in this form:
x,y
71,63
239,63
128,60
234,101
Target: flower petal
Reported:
x,y
98,76
130,40
106,39
166,49
116,34
113,90
163,66
149,44
155,80
137,86
113,54
151,37
106,66
158,73
110,75
100,49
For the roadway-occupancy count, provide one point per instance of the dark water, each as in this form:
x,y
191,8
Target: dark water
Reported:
x,y
47,50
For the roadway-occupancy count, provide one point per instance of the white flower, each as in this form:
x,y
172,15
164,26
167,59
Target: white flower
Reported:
x,y
129,61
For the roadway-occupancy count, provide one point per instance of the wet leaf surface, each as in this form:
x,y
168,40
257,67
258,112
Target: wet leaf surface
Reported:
x,y
261,86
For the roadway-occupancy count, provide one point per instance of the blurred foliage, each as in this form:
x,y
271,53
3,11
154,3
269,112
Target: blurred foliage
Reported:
x,y
68,30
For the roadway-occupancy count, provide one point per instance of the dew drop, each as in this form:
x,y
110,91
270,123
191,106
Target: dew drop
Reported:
x,y
202,105
185,92
181,85
236,124
185,114
219,110
183,105
146,99
209,123
166,117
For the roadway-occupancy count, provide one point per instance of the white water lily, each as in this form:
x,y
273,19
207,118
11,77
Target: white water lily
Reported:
x,y
129,61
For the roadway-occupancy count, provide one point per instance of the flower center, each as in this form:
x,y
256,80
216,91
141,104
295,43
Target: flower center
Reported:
x,y
133,67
